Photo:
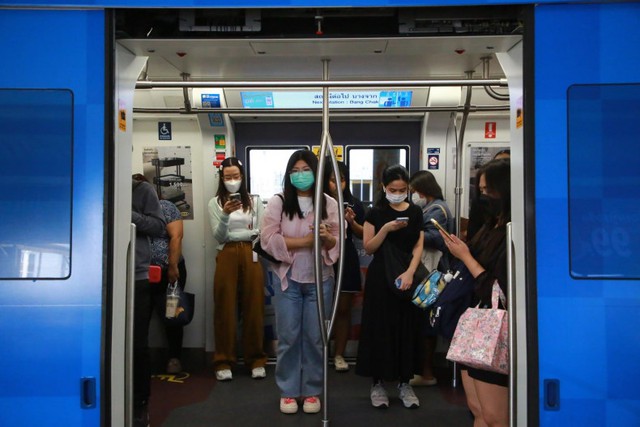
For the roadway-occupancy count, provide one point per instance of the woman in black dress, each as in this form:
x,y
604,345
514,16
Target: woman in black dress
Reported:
x,y
389,347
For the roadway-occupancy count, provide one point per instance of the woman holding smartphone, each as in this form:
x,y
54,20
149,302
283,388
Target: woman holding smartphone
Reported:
x,y
234,223
287,234
351,279
389,347
486,259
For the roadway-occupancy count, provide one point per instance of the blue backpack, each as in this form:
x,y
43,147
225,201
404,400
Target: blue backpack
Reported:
x,y
454,299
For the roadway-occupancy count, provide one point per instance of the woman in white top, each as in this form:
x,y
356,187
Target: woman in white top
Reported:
x,y
234,215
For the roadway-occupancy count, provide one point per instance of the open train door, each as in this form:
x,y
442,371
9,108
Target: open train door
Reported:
x,y
52,216
587,155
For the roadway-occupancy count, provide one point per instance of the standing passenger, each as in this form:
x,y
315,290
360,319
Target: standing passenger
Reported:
x,y
147,216
287,234
351,280
234,217
427,195
166,252
486,258
390,335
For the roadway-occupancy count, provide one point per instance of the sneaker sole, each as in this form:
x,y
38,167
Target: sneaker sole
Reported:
x,y
411,406
381,406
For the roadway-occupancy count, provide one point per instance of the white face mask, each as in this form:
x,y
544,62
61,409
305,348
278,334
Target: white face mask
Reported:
x,y
394,199
233,186
419,201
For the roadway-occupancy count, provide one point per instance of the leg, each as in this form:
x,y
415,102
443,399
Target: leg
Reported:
x,y
225,291
430,349
252,311
174,332
343,322
312,350
472,399
141,362
288,309
494,401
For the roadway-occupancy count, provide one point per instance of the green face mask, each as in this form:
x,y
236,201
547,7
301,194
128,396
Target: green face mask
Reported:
x,y
302,180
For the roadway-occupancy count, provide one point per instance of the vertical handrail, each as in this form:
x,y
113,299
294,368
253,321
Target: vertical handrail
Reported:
x,y
129,325
458,188
511,294
326,324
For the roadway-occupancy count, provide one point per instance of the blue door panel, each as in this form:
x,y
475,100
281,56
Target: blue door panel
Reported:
x,y
51,329
588,337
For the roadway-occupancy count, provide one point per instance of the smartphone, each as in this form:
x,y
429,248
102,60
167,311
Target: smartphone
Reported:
x,y
346,205
403,219
441,228
235,196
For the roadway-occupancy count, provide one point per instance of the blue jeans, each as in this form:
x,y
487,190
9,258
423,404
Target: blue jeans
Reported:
x,y
299,366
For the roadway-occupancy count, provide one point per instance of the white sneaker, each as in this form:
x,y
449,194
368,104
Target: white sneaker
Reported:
x,y
258,373
379,398
288,405
224,375
340,364
408,397
311,405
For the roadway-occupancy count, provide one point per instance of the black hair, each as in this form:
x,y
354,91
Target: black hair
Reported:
x,y
223,193
424,182
291,206
497,174
501,152
344,175
390,174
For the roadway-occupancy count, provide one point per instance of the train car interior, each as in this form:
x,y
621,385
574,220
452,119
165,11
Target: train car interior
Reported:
x,y
197,86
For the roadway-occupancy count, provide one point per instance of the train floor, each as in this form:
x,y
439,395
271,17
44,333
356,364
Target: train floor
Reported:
x,y
198,400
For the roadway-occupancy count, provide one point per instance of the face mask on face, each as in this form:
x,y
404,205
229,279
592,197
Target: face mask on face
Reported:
x,y
394,199
302,180
419,201
492,206
232,186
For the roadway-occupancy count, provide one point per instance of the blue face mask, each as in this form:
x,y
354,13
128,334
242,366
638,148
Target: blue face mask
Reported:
x,y
302,180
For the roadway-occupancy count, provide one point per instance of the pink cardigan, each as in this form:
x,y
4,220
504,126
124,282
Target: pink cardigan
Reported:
x,y
276,225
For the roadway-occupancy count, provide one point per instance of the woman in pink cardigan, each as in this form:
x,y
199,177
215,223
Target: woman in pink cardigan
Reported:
x,y
287,234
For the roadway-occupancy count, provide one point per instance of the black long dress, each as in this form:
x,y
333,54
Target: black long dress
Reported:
x,y
389,347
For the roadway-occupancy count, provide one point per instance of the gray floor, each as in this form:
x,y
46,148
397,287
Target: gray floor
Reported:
x,y
248,402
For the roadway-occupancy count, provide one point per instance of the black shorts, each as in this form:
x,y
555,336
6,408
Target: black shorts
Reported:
x,y
488,376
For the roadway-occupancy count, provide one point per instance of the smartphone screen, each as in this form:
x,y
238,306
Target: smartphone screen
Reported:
x,y
439,227
403,218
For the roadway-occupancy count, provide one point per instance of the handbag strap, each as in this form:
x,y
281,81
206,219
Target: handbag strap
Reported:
x,y
496,293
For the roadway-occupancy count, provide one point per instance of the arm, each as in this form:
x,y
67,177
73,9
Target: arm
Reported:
x,y
330,234
416,252
219,221
460,250
271,236
175,232
352,220
372,240
147,213
432,237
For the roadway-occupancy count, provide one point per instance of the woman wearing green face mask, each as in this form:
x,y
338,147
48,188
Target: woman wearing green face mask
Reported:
x,y
287,234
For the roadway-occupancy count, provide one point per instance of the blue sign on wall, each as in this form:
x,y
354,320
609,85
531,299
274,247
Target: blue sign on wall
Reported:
x,y
210,100
164,131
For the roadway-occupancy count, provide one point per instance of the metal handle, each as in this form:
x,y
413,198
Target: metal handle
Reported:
x,y
511,290
129,319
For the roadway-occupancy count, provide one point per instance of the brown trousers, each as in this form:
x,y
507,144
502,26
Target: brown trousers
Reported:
x,y
237,276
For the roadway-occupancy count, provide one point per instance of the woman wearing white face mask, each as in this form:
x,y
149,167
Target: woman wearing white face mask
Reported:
x,y
389,347
427,195
234,222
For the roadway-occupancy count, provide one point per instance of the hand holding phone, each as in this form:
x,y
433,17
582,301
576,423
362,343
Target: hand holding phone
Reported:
x,y
441,228
235,197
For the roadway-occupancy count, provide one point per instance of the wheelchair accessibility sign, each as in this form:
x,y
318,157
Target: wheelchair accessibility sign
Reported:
x,y
164,131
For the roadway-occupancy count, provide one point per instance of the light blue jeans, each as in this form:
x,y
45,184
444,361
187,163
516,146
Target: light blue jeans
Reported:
x,y
299,367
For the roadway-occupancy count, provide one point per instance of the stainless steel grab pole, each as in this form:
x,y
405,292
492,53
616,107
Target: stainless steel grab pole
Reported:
x,y
129,327
326,325
511,312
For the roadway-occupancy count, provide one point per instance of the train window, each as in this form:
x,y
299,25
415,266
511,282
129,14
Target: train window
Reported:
x,y
35,203
603,153
366,166
266,168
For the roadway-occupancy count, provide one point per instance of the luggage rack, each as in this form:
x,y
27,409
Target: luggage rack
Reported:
x,y
170,185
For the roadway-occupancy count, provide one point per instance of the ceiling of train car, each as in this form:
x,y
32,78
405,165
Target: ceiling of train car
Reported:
x,y
386,43
291,59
